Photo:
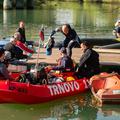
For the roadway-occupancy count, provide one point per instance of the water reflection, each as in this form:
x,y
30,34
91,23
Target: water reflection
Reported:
x,y
68,108
107,111
111,112
64,16
89,20
79,107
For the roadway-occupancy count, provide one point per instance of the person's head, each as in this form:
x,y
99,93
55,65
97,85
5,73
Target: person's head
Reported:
x,y
63,51
13,40
66,28
2,54
85,45
117,23
17,36
21,24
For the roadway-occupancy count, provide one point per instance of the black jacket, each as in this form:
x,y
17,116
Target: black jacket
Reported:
x,y
89,62
22,33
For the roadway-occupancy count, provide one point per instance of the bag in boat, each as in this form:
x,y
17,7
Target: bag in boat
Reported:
x,y
27,78
35,76
49,46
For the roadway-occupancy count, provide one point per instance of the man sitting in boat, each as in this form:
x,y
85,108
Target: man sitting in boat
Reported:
x,y
14,51
89,61
65,63
4,74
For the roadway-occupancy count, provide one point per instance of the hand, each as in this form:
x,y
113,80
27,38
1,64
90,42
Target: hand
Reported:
x,y
58,29
48,68
45,44
49,37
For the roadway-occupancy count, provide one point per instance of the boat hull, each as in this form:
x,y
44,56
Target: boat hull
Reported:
x,y
111,96
15,92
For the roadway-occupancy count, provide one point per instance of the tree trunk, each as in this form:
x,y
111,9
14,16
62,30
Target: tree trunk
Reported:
x,y
7,5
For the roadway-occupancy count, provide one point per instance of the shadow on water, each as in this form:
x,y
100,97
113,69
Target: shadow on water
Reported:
x,y
79,107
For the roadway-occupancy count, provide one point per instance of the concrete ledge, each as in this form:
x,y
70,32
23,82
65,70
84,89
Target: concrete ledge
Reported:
x,y
104,56
116,51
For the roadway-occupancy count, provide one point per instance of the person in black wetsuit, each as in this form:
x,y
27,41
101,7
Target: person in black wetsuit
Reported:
x,y
71,37
21,30
89,61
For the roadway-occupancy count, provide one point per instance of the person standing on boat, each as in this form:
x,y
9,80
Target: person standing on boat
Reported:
x,y
116,30
89,61
65,63
4,74
21,30
71,37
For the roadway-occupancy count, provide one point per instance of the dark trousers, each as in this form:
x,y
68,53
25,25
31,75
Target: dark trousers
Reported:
x,y
69,44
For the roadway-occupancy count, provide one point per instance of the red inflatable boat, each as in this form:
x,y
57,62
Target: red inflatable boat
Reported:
x,y
26,93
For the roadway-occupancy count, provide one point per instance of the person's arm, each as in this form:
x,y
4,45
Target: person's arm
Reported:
x,y
118,35
23,47
54,31
84,58
61,66
75,36
78,39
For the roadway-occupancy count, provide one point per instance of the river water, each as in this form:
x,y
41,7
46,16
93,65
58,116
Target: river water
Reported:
x,y
89,20
80,107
